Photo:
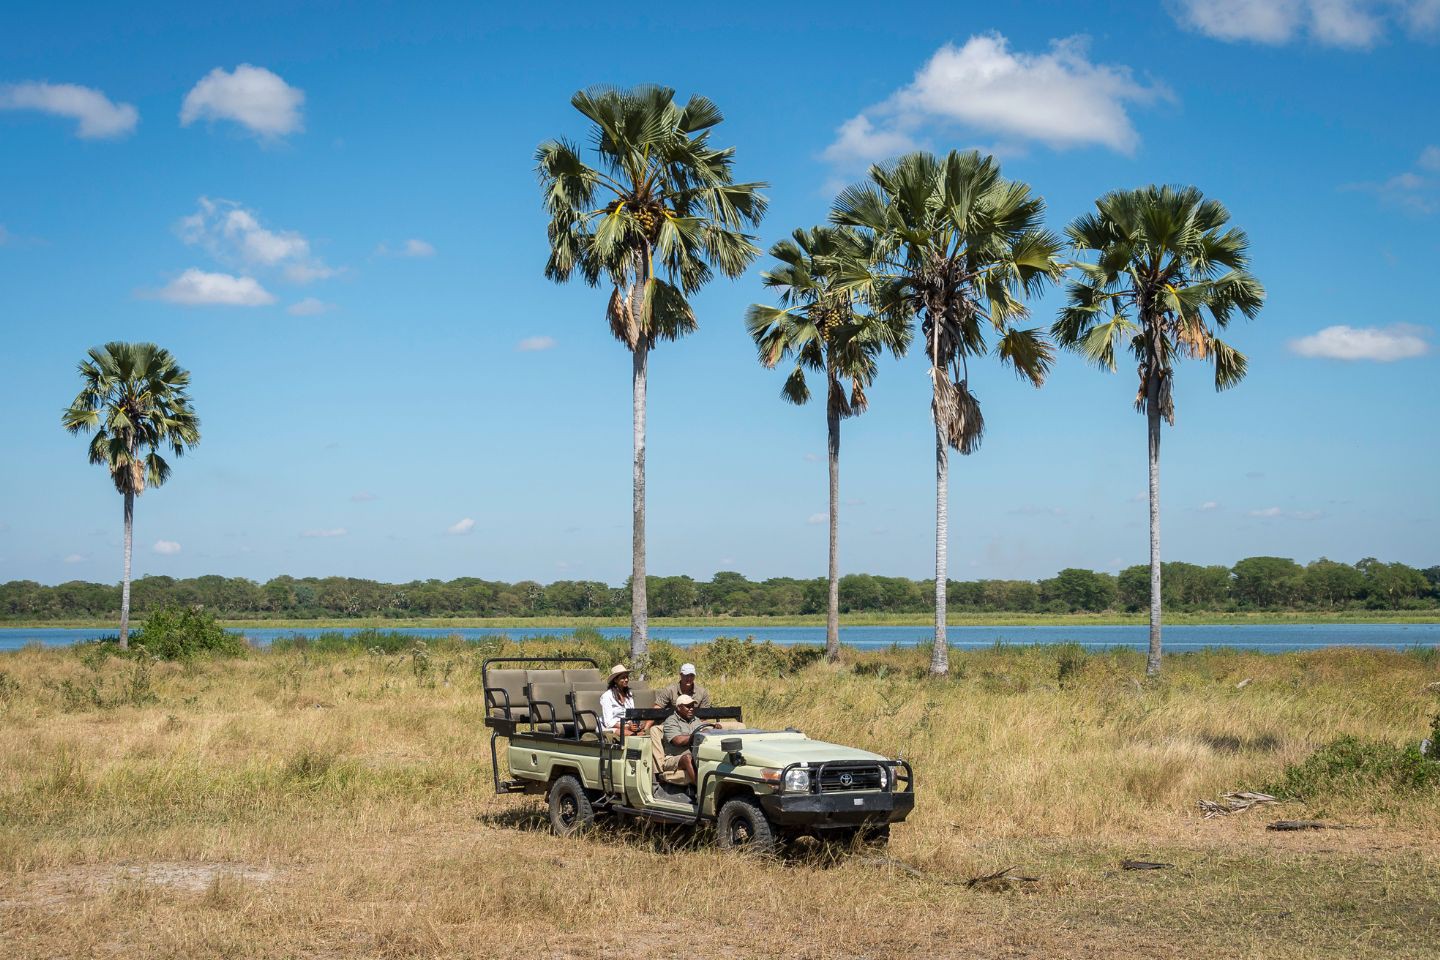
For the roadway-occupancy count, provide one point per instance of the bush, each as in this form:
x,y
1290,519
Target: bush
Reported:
x,y
1351,765
1434,752
178,633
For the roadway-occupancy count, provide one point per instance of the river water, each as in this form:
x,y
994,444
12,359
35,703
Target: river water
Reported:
x,y
1275,638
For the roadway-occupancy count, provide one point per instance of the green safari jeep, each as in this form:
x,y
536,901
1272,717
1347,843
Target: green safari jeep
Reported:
x,y
759,788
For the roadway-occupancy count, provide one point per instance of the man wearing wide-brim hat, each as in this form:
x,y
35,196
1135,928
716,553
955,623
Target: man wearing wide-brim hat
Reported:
x,y
616,700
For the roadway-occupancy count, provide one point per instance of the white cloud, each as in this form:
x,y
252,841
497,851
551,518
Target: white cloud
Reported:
x,y
1416,190
461,527
309,307
253,97
1273,513
812,458
1209,505
196,288
363,497
532,344
99,117
1357,24
817,518
1429,159
1382,344
76,558
414,247
324,534
1058,98
167,547
234,236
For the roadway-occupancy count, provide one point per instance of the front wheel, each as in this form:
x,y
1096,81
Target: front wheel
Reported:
x,y
570,809
743,827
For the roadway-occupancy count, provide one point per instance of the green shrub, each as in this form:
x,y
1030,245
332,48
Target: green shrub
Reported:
x,y
1434,752
1354,766
178,633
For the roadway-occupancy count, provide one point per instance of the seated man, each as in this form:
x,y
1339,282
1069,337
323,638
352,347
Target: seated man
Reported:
x,y
615,701
665,699
679,735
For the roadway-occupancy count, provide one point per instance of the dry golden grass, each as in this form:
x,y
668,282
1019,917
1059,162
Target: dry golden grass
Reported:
x,y
307,805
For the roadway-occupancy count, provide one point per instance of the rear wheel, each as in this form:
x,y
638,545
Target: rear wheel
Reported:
x,y
743,827
570,809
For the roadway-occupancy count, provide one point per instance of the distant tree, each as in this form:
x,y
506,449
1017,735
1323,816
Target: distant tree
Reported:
x,y
1391,584
1328,584
1079,589
655,217
134,403
1267,581
822,327
1163,257
956,246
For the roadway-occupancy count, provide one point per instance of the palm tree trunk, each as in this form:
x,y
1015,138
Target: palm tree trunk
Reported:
x,y
940,652
1152,411
832,610
125,582
639,609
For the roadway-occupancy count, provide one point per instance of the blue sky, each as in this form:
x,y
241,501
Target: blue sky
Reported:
x,y
329,215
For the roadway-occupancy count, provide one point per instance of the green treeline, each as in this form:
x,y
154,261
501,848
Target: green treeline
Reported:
x,y
1255,583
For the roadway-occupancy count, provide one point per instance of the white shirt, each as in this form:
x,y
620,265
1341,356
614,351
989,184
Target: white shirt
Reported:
x,y
612,708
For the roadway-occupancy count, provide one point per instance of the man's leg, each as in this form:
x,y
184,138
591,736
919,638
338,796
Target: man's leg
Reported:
x,y
687,763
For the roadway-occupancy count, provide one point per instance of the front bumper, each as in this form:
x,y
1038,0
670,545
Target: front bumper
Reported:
x,y
837,809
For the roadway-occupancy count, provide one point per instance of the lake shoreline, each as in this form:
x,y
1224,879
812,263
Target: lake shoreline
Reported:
x,y
855,620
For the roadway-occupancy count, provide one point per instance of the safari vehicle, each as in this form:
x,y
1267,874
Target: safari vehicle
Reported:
x,y
759,788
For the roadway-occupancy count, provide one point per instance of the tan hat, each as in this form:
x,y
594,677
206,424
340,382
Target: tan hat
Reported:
x,y
684,700
615,671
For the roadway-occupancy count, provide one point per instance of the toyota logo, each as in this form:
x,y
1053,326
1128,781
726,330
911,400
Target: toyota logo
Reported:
x,y
846,780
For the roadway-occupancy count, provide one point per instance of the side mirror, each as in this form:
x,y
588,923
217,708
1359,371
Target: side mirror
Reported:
x,y
731,746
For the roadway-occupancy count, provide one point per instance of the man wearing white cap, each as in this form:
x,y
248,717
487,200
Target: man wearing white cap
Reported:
x,y
665,699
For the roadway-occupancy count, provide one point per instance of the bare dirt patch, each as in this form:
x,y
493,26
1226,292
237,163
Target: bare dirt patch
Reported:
x,y
61,888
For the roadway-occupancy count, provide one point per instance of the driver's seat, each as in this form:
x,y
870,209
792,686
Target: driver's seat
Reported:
x,y
657,753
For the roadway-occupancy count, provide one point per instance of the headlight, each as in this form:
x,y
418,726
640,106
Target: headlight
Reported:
x,y
884,779
797,781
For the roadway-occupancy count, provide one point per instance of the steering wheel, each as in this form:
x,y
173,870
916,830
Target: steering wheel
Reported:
x,y
695,744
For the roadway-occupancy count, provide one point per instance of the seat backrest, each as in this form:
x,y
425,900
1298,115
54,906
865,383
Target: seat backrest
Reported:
x,y
549,706
644,697
545,676
587,685
588,673
506,687
587,710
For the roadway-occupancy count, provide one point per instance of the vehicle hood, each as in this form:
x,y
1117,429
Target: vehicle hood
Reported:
x,y
783,749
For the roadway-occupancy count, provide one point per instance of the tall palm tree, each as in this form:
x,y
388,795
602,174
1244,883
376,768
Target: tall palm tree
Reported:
x,y
957,246
135,403
1163,259
654,217
820,326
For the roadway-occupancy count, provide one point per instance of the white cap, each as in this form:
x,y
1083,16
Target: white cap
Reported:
x,y
687,669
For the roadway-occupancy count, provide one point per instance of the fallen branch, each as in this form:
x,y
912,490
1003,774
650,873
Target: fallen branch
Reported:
x,y
1145,865
1234,803
1002,879
1311,825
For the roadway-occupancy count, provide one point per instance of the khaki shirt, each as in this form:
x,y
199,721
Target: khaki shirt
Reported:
x,y
675,727
665,698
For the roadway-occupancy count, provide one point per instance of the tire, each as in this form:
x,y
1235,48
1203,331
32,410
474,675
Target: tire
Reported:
x,y
570,809
743,828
